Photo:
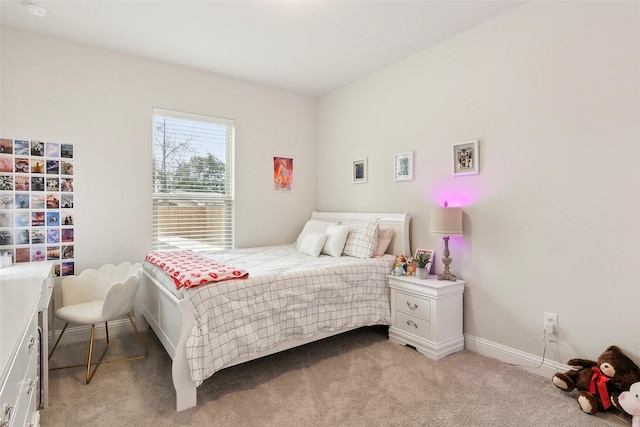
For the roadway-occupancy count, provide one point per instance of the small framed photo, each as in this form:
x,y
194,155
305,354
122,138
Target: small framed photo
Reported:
x,y
359,170
403,166
466,158
431,254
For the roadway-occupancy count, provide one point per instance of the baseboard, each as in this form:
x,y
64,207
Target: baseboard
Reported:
x,y
76,334
529,362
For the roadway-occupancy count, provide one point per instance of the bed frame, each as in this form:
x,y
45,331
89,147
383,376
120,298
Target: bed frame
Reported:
x,y
171,318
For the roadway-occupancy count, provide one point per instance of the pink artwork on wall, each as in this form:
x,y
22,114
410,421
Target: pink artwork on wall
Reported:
x,y
283,174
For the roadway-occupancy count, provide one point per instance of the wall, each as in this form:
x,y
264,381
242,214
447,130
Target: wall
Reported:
x,y
551,223
550,89
101,102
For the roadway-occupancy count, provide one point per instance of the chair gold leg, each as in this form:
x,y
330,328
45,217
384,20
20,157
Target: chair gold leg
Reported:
x,y
82,365
135,328
58,340
142,343
89,374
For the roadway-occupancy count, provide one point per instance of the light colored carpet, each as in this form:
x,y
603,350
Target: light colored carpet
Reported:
x,y
354,379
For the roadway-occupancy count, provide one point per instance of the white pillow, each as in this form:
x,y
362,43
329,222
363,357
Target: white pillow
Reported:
x,y
312,226
312,244
336,239
362,240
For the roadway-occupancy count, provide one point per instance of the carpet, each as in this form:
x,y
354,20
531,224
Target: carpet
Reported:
x,y
357,378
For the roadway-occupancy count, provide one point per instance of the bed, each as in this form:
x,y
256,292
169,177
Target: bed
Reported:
x,y
203,332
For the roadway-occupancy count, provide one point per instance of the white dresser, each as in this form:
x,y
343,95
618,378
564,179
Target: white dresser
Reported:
x,y
427,314
24,292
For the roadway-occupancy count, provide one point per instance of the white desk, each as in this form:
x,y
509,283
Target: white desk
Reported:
x,y
25,288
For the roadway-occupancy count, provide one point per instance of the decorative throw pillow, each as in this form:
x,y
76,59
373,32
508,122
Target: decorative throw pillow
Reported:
x,y
312,226
312,244
336,239
384,239
362,240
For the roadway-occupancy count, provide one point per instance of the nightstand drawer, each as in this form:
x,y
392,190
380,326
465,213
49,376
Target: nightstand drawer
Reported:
x,y
414,305
413,325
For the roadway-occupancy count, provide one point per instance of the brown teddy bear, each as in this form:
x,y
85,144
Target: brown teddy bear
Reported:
x,y
599,383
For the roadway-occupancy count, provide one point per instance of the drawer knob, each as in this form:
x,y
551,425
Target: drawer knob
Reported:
x,y
31,385
412,307
412,323
4,422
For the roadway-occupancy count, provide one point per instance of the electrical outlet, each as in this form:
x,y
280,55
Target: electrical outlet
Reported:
x,y
551,326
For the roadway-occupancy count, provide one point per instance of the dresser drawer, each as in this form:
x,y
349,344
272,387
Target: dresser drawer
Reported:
x,y
413,305
413,325
22,367
26,404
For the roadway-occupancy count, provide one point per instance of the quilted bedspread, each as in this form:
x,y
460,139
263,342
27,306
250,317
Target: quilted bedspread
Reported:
x,y
287,296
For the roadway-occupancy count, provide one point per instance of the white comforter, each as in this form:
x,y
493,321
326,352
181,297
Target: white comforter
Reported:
x,y
287,296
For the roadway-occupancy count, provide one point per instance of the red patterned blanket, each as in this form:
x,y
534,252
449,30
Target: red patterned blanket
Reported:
x,y
188,269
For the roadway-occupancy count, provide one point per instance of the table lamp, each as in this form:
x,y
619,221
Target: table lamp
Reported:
x,y
446,222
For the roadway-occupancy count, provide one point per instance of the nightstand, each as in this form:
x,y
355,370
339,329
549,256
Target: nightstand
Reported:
x,y
427,314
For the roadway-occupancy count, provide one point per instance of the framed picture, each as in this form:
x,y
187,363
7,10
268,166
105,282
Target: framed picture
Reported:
x,y
282,174
403,166
432,255
359,170
466,158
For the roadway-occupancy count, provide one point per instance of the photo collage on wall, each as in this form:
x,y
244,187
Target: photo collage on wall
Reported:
x,y
36,203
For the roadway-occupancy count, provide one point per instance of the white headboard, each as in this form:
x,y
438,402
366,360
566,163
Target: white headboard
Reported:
x,y
398,221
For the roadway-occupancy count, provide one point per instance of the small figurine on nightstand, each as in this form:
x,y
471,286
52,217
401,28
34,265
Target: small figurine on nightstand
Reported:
x,y
398,269
411,266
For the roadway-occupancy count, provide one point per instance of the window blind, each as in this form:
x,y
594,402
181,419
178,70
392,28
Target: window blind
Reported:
x,y
193,176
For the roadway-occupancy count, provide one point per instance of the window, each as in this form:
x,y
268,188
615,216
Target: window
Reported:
x,y
192,181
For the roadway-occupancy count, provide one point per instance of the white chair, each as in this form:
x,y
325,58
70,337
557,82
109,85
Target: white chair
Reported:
x,y
97,296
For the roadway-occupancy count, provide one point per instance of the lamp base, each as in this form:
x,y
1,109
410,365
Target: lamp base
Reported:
x,y
447,276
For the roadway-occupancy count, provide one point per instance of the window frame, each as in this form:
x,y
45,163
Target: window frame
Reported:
x,y
198,198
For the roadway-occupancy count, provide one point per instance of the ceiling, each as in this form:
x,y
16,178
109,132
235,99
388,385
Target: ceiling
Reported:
x,y
308,47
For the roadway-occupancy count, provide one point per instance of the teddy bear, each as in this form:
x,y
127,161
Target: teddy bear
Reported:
x,y
599,383
629,401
